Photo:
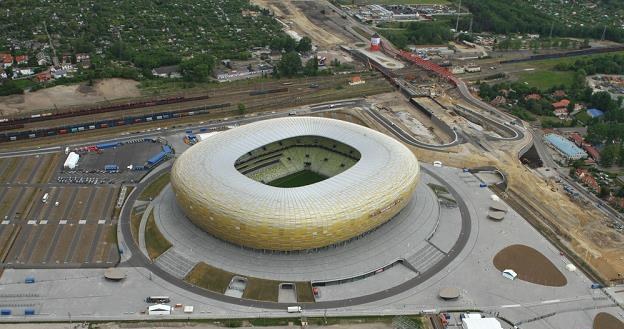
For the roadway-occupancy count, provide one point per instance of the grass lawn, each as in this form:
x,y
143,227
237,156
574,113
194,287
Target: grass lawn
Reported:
x,y
135,223
153,189
260,289
155,242
304,292
301,178
546,79
209,278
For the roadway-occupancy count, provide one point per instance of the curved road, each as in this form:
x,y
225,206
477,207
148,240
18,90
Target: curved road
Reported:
x,y
138,259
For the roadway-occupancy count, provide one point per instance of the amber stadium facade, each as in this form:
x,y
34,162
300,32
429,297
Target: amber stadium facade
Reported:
x,y
361,178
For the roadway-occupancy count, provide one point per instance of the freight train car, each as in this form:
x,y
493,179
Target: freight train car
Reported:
x,y
43,132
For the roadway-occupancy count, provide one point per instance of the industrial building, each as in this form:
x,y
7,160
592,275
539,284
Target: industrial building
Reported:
x,y
566,148
225,184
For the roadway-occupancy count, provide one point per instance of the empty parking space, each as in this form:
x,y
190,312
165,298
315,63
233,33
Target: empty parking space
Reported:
x,y
43,244
49,165
78,206
11,194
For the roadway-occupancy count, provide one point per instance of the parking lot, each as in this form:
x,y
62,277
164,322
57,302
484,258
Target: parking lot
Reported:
x,y
91,166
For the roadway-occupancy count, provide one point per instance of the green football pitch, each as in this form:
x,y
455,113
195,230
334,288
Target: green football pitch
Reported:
x,y
301,178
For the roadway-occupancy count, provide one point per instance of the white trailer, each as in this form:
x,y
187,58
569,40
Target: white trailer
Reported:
x,y
294,309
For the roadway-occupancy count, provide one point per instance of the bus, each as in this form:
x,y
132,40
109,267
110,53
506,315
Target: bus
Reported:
x,y
157,299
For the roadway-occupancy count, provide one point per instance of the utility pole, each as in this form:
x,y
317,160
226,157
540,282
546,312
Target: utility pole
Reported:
x,y
458,11
604,32
470,28
551,29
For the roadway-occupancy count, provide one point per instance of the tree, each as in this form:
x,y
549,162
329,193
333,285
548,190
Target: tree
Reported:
x,y
198,68
241,108
289,65
311,67
304,45
607,156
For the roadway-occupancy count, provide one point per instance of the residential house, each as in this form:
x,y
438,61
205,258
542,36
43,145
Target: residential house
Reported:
x,y
42,58
586,178
561,113
81,57
59,73
498,101
562,103
21,59
6,60
172,71
43,76
535,97
25,71
577,139
559,94
592,151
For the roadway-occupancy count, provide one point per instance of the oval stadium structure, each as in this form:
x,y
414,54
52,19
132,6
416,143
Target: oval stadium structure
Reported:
x,y
294,183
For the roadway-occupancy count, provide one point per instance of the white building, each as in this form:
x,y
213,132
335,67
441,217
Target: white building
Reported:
x,y
71,161
480,323
159,309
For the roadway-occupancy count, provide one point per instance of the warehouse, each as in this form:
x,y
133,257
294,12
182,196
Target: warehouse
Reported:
x,y
566,148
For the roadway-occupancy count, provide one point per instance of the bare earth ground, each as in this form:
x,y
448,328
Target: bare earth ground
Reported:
x,y
63,96
530,265
607,321
288,13
581,228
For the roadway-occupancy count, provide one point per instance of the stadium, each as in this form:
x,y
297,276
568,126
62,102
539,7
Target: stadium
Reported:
x,y
294,183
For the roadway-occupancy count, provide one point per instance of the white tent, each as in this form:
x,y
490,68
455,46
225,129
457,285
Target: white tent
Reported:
x,y
510,274
159,309
481,323
71,161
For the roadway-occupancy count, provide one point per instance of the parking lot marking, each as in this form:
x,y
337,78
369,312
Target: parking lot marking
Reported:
x,y
63,222
6,222
31,222
82,221
43,222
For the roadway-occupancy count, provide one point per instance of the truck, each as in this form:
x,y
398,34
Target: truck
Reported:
x,y
294,309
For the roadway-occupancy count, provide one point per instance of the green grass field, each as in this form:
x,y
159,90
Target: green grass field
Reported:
x,y
155,242
210,278
301,178
546,79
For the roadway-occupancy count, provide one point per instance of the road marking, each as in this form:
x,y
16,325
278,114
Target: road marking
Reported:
x,y
510,306
551,301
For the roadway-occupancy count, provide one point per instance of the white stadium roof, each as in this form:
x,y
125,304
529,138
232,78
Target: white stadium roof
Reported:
x,y
205,176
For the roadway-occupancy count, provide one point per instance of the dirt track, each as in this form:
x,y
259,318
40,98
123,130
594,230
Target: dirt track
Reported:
x,y
287,12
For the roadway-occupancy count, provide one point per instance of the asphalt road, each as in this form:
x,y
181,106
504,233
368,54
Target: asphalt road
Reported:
x,y
138,259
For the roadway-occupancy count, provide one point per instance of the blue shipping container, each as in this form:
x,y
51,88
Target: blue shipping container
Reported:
x,y
111,167
29,311
156,158
29,279
107,145
203,130
5,312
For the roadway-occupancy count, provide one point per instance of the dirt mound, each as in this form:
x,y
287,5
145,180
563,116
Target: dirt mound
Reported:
x,y
530,265
71,95
607,321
